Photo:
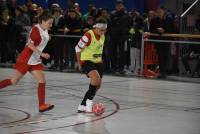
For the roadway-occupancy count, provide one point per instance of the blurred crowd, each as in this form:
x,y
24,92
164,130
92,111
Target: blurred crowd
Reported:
x,y
123,36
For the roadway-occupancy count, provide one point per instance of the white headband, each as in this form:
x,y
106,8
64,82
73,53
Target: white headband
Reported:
x,y
100,25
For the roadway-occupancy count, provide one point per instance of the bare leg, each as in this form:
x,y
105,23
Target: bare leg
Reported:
x,y
95,83
95,78
39,75
17,76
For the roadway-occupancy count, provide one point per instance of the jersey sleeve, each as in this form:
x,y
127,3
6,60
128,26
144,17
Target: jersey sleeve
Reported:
x,y
88,35
34,36
84,41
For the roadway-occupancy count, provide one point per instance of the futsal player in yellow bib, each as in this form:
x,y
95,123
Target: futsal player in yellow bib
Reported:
x,y
89,51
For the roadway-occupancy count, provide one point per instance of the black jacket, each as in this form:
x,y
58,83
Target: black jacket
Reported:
x,y
120,24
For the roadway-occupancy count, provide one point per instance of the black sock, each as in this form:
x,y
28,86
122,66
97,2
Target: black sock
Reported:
x,y
89,94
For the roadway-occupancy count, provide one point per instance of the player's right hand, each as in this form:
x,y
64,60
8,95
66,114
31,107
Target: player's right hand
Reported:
x,y
45,55
80,68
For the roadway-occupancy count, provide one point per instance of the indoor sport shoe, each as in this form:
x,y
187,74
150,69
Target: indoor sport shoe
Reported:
x,y
195,75
45,107
81,109
89,105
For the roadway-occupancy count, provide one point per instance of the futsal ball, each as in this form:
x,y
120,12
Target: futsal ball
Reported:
x,y
98,109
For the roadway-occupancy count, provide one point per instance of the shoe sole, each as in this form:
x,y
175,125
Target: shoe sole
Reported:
x,y
83,112
79,111
47,109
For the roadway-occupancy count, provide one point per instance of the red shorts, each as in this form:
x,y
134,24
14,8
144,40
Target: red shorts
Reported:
x,y
24,67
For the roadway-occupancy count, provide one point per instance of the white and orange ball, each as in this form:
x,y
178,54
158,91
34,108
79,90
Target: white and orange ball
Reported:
x,y
98,109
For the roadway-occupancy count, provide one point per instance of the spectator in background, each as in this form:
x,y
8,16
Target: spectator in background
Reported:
x,y
38,10
53,47
21,17
88,24
137,25
58,42
54,6
2,8
197,23
32,11
147,21
135,33
3,5
29,4
73,26
119,28
193,54
77,9
106,51
162,24
6,21
21,21
11,4
92,11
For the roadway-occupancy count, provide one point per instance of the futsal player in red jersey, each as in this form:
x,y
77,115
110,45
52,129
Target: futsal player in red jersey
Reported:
x,y
30,60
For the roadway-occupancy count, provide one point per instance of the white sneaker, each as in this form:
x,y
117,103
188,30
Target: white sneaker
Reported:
x,y
89,105
81,108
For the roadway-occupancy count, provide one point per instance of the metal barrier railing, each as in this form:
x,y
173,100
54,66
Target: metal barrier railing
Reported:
x,y
67,36
180,36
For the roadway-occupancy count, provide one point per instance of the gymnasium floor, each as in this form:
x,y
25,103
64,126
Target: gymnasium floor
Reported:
x,y
133,106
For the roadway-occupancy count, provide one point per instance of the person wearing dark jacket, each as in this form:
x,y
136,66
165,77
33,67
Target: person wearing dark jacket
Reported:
x,y
58,42
162,24
119,28
73,25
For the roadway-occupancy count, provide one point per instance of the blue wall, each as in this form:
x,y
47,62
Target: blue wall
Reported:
x,y
43,3
162,2
110,4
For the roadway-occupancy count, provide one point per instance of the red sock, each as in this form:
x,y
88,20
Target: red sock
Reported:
x,y
41,93
5,83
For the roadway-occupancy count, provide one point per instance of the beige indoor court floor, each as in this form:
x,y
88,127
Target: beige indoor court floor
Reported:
x,y
133,106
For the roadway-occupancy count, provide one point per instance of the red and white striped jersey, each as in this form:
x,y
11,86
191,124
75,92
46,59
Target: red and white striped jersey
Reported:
x,y
39,38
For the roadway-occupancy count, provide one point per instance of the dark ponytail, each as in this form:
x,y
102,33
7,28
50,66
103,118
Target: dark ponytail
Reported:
x,y
45,15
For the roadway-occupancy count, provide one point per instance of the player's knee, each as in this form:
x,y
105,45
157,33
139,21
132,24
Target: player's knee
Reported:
x,y
42,81
98,87
99,84
96,80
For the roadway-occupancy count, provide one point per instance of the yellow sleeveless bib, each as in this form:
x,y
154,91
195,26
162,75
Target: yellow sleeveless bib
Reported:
x,y
94,51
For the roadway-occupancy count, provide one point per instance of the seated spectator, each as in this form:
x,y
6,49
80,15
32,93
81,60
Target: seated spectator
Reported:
x,y
197,23
193,54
